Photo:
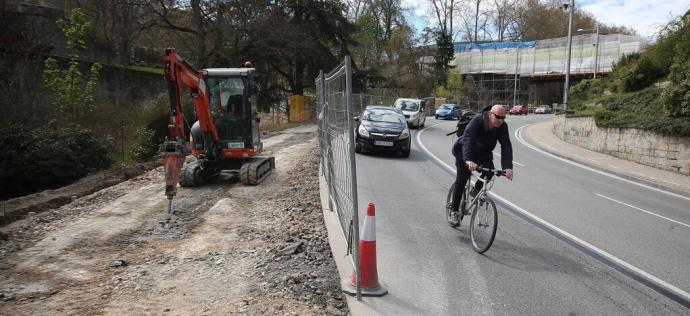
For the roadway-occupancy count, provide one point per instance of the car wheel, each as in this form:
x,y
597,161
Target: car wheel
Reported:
x,y
436,116
423,121
404,153
358,148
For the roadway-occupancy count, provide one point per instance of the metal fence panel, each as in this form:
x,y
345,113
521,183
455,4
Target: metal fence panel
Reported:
x,y
336,138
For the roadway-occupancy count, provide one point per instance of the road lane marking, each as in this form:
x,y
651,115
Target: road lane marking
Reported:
x,y
518,135
634,272
616,263
515,162
643,210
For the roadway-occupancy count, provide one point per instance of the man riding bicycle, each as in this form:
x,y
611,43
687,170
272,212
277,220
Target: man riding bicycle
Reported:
x,y
476,146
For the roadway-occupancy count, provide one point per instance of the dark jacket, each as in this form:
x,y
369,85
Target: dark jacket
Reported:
x,y
478,142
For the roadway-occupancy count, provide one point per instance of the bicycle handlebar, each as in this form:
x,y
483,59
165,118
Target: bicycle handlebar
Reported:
x,y
489,170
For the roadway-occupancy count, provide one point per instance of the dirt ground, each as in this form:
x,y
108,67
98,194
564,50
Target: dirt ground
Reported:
x,y
225,249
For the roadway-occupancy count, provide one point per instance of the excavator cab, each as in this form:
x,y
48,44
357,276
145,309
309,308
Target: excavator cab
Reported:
x,y
233,107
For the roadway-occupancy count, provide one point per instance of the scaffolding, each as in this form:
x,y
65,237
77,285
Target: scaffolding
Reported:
x,y
513,73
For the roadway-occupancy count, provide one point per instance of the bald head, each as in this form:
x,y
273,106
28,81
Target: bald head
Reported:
x,y
497,116
498,110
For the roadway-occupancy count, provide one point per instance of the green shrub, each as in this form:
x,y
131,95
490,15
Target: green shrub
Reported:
x,y
676,95
46,158
672,45
640,110
635,72
143,147
586,90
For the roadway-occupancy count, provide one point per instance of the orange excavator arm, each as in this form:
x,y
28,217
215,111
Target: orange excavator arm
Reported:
x,y
180,74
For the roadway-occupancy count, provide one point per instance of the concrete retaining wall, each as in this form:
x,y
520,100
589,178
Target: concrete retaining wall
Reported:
x,y
644,147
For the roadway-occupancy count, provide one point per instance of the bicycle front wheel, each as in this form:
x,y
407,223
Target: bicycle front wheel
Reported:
x,y
483,224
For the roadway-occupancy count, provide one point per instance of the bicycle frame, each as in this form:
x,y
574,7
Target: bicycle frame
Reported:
x,y
487,185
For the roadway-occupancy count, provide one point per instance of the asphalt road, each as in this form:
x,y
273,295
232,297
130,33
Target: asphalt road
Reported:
x,y
430,268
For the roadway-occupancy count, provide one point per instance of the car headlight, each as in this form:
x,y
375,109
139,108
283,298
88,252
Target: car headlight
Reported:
x,y
363,131
405,134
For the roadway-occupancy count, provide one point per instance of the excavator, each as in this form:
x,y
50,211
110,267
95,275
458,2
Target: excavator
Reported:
x,y
225,135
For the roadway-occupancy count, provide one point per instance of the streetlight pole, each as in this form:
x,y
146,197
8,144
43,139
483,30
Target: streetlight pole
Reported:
x,y
596,47
567,57
515,79
596,53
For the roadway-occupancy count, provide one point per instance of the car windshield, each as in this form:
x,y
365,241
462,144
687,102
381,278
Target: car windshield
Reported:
x,y
381,115
446,107
408,106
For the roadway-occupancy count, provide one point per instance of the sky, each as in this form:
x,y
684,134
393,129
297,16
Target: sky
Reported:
x,y
644,16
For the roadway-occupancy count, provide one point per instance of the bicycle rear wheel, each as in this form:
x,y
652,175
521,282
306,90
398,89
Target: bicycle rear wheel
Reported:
x,y
453,219
483,224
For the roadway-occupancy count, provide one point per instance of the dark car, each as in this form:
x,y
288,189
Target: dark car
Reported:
x,y
448,111
382,128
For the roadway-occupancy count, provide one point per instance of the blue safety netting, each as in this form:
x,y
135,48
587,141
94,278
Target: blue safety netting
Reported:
x,y
494,45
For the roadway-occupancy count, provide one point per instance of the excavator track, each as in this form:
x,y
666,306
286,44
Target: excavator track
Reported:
x,y
256,170
194,175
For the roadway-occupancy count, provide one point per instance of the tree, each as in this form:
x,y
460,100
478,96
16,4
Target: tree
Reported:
x,y
444,55
297,38
74,94
473,20
119,23
504,18
537,20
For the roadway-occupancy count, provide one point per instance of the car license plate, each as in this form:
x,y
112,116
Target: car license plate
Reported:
x,y
382,143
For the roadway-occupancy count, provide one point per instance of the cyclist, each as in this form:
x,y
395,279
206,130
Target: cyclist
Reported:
x,y
476,147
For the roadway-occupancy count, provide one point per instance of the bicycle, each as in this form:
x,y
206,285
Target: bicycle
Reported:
x,y
481,208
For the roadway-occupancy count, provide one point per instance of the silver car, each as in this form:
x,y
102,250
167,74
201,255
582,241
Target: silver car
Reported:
x,y
414,111
544,109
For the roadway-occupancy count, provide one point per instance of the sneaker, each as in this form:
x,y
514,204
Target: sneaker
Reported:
x,y
454,218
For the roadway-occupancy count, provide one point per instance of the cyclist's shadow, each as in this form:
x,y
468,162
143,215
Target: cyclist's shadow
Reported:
x,y
506,253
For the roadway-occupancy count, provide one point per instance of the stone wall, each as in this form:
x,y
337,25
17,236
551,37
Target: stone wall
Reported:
x,y
644,147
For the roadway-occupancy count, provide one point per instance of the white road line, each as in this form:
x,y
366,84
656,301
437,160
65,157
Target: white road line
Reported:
x,y
518,135
611,258
643,210
515,162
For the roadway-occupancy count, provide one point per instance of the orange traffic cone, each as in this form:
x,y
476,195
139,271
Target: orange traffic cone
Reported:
x,y
367,259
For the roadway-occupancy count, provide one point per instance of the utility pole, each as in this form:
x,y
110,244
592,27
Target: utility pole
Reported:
x,y
570,8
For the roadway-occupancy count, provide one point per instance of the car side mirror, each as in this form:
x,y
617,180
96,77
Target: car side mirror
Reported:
x,y
356,118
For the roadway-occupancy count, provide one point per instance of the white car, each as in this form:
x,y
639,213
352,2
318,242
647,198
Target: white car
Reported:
x,y
544,109
413,110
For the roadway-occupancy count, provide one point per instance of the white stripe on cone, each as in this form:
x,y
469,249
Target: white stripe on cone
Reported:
x,y
369,229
